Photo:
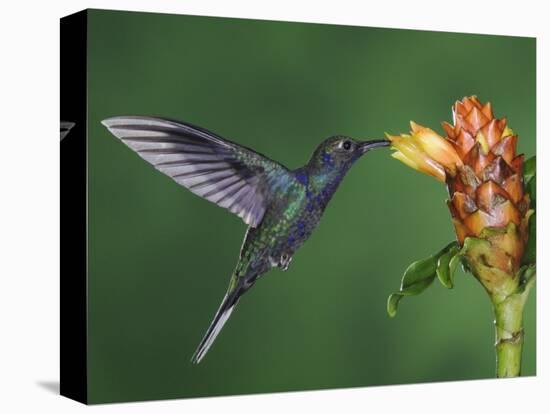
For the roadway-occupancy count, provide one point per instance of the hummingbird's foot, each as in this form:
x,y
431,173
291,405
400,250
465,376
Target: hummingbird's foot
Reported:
x,y
281,262
284,262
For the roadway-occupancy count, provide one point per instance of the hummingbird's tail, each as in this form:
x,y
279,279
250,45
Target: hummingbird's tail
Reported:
x,y
222,315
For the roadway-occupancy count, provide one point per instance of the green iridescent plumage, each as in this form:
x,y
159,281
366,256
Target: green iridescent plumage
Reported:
x,y
281,207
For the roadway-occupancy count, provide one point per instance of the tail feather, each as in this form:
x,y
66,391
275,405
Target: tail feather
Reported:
x,y
222,315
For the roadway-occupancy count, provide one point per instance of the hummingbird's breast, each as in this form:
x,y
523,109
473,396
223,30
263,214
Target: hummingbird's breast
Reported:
x,y
295,215
288,222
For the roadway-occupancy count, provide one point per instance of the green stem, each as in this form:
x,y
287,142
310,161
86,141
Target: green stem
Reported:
x,y
509,335
509,326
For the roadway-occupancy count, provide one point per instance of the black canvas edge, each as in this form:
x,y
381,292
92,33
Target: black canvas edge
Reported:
x,y
73,208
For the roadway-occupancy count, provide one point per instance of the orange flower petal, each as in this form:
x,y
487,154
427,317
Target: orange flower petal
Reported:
x,y
412,154
489,195
461,230
416,127
457,186
460,108
398,155
509,240
502,123
507,131
467,104
523,204
477,221
500,216
498,171
449,130
514,187
506,148
477,159
505,213
452,209
488,110
517,164
465,142
469,181
462,123
482,140
492,132
436,147
393,138
434,169
464,205
476,119
473,99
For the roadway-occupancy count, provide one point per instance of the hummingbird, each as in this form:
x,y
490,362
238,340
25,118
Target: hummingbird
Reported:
x,y
281,207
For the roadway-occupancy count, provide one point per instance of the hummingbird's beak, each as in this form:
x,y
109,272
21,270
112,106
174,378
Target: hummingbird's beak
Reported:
x,y
365,146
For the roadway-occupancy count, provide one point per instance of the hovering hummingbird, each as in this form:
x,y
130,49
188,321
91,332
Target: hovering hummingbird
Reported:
x,y
280,206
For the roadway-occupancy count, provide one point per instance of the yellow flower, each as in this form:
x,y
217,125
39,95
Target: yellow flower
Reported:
x,y
426,151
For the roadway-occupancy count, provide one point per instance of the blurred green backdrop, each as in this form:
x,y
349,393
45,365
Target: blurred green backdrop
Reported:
x,y
160,257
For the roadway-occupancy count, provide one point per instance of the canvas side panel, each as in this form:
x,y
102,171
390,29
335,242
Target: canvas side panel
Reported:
x,y
73,283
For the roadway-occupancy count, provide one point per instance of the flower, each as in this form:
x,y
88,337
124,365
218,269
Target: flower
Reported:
x,y
426,151
477,160
491,209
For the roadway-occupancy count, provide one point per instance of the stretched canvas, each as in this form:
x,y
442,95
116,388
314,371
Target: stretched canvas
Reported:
x,y
233,221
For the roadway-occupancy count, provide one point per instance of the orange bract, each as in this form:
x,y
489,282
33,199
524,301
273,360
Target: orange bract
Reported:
x,y
488,190
478,161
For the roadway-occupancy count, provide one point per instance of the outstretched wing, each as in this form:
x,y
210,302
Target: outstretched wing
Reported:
x,y
234,177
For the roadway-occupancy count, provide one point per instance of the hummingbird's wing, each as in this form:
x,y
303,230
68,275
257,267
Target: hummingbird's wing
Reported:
x,y
223,172
65,128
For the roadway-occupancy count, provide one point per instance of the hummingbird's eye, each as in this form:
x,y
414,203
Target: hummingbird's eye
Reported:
x,y
346,145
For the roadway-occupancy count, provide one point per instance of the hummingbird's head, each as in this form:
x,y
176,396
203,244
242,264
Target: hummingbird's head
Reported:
x,y
340,152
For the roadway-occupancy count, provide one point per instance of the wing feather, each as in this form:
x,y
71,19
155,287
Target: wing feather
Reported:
x,y
218,170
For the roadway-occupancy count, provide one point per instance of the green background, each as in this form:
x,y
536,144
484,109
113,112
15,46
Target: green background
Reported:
x,y
160,257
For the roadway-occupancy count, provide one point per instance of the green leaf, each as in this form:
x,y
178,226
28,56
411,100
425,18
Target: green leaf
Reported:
x,y
457,258
481,246
418,276
529,168
526,273
444,270
393,300
530,254
527,276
